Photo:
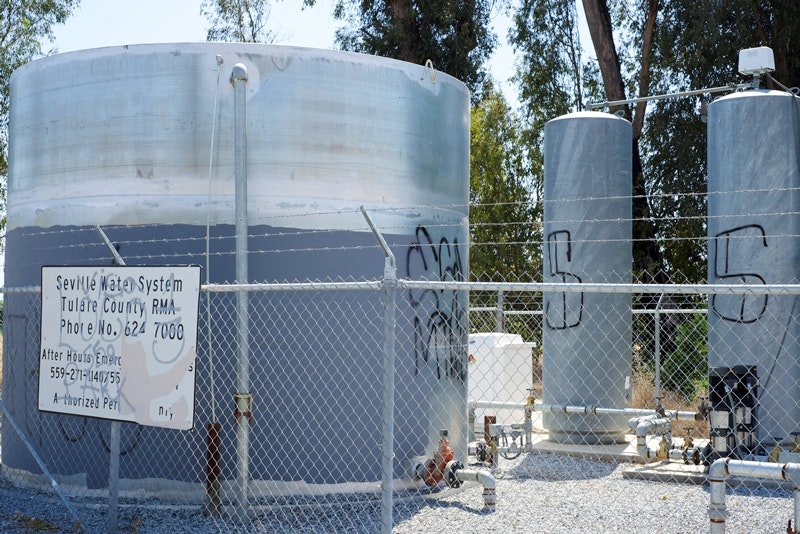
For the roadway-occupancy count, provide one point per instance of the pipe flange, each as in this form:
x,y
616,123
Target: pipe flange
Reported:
x,y
450,477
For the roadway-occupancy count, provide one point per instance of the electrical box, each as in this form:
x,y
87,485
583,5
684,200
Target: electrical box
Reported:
x,y
733,395
756,61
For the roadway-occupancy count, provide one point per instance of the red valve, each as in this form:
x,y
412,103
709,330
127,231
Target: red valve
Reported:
x,y
434,468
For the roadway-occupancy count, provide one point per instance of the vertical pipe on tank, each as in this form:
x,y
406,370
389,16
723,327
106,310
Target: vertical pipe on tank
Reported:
x,y
243,398
586,337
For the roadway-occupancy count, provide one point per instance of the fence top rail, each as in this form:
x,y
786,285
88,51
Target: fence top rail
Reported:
x,y
593,287
292,286
522,287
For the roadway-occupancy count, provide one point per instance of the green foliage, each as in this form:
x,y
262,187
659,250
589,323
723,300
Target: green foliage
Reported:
x,y
505,234
453,34
552,77
686,368
696,45
237,21
25,24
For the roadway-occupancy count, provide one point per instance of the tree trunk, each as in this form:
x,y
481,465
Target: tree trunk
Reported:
x,y
647,260
402,17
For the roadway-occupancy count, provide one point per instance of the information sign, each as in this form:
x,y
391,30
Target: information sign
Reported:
x,y
120,343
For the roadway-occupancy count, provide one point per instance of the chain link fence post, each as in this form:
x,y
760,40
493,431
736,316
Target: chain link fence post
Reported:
x,y
242,398
387,417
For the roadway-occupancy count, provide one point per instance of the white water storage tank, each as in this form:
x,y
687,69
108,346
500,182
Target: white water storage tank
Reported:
x,y
586,337
121,137
753,206
500,370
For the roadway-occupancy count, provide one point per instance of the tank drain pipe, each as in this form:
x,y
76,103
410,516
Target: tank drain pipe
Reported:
x,y
726,467
443,467
387,416
242,398
213,460
455,474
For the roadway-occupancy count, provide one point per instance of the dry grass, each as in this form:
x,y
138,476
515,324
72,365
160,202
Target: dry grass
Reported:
x,y
643,396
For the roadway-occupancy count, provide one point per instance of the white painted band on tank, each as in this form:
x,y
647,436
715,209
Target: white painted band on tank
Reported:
x,y
123,134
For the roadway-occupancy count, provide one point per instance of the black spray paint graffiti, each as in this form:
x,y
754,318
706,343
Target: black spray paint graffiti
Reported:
x,y
738,308
562,310
440,316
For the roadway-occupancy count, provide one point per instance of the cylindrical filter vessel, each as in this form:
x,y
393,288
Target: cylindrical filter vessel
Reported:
x,y
753,239
586,337
122,137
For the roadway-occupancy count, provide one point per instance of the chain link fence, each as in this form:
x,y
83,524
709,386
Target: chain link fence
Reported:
x,y
474,384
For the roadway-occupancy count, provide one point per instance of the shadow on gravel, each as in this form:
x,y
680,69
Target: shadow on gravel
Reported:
x,y
553,467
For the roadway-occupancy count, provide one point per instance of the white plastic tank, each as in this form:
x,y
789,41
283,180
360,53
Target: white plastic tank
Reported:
x,y
586,337
500,370
753,239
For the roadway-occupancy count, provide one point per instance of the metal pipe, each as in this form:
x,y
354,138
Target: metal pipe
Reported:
x,y
242,398
599,287
213,489
649,425
693,92
387,447
486,479
455,474
725,467
499,315
630,412
587,410
473,448
498,405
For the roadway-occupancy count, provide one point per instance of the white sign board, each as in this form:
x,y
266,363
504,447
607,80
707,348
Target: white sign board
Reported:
x,y
120,343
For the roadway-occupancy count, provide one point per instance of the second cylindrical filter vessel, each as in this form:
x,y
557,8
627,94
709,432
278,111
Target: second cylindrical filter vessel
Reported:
x,y
586,336
753,181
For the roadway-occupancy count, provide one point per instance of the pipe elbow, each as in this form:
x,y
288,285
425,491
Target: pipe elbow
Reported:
x,y
455,474
718,470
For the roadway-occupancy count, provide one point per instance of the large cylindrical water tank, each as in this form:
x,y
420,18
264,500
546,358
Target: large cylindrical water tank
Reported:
x,y
122,138
586,336
753,239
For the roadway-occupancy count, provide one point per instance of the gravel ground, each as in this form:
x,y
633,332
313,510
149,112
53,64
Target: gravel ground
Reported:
x,y
536,493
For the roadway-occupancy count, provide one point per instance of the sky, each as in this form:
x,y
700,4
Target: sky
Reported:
x,y
98,23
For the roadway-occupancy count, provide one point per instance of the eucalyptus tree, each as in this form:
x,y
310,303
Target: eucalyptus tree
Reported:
x,y
454,35
505,233
641,48
696,46
25,25
238,21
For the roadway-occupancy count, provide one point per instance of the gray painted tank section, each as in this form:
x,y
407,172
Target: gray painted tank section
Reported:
x,y
753,181
586,337
120,137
